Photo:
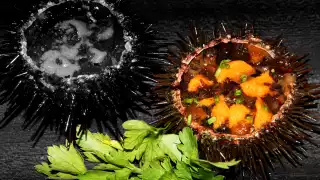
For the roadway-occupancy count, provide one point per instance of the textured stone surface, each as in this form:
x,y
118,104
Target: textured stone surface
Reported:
x,y
298,20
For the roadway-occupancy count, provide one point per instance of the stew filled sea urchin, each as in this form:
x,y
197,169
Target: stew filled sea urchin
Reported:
x,y
245,98
70,63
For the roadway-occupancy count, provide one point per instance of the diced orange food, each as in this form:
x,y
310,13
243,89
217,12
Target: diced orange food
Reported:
x,y
256,53
221,112
206,102
199,81
234,72
238,112
264,78
241,128
263,115
259,86
197,113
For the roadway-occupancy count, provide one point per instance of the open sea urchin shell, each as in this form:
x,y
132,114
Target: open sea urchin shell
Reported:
x,y
256,145
72,62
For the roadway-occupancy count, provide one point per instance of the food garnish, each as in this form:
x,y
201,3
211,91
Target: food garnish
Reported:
x,y
146,153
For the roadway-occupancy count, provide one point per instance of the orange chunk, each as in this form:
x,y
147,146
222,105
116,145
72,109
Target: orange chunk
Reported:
x,y
256,53
221,112
264,78
197,113
263,115
238,113
199,81
206,102
235,70
257,87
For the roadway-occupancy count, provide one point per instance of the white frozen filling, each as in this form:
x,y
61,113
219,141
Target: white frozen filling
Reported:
x,y
70,52
67,55
50,65
98,55
79,25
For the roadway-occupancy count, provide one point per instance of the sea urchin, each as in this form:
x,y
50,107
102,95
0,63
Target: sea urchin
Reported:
x,y
73,62
245,98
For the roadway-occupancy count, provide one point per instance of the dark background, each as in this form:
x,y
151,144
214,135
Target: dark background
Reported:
x,y
298,20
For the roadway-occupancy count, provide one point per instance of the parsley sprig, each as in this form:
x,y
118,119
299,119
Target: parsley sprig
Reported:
x,y
146,153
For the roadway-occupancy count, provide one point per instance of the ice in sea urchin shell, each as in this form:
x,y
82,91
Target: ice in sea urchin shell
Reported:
x,y
244,97
72,62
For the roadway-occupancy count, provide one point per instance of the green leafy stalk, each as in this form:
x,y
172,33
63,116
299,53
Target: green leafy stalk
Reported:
x,y
66,160
157,156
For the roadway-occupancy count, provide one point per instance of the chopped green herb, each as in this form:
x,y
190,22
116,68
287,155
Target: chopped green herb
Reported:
x,y
238,92
189,119
250,118
225,61
265,107
239,100
217,72
243,78
223,65
190,100
211,120
216,99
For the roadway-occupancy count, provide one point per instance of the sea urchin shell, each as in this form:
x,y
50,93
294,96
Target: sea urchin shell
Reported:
x,y
73,62
245,98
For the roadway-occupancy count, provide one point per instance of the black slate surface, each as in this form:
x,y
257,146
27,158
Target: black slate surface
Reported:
x,y
299,21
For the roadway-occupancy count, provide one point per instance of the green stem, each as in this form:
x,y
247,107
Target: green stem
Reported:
x,y
62,178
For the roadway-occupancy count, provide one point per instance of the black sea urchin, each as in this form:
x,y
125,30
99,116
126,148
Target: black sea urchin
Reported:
x,y
245,98
75,61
